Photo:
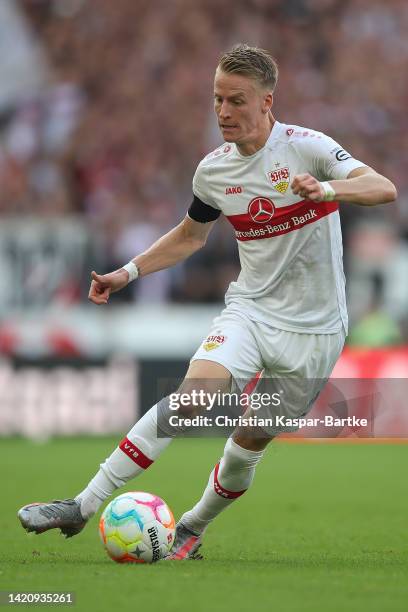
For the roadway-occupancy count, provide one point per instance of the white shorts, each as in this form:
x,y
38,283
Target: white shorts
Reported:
x,y
295,365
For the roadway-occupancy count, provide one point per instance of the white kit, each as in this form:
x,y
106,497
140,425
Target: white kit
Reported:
x,y
286,313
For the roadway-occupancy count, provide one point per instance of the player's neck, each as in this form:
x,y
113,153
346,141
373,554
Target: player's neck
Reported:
x,y
249,148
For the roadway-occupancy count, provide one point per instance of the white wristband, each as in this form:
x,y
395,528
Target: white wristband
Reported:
x,y
132,270
329,193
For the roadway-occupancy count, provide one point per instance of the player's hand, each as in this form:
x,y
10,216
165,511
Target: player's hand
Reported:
x,y
307,187
102,285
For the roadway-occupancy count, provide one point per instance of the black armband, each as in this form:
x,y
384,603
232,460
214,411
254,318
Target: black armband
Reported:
x,y
201,212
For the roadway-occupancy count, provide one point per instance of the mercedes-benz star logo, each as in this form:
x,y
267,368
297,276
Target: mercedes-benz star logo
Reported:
x,y
261,210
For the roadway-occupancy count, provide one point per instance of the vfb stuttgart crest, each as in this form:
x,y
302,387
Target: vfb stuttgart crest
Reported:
x,y
261,210
213,342
280,179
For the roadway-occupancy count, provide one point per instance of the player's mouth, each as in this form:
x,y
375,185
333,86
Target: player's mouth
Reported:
x,y
225,127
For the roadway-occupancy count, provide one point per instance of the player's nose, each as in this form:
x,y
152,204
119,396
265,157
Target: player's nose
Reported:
x,y
224,111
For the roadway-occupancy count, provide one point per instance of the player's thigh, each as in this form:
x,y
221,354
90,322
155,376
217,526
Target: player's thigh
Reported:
x,y
298,367
203,368
206,376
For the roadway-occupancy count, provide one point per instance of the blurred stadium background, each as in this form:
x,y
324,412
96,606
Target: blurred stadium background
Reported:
x,y
105,111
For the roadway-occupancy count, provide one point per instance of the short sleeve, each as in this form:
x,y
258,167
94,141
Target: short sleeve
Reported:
x,y
201,186
326,159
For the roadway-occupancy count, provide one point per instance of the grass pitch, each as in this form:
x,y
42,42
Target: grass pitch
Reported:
x,y
324,528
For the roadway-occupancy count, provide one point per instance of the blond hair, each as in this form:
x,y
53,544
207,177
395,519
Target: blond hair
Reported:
x,y
252,62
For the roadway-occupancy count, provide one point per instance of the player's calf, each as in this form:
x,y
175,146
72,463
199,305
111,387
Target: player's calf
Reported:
x,y
231,477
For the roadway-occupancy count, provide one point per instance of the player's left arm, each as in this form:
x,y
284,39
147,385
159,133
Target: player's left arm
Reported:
x,y
363,186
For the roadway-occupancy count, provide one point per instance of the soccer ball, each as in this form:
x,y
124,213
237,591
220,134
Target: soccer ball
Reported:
x,y
137,527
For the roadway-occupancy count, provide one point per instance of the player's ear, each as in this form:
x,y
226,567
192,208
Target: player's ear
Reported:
x,y
267,102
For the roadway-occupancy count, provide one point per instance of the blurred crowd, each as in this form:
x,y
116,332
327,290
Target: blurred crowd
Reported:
x,y
125,114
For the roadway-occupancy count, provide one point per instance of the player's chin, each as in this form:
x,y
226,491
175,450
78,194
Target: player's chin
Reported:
x,y
228,137
230,134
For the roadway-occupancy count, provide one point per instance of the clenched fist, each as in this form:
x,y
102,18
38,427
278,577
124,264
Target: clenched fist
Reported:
x,y
308,187
102,285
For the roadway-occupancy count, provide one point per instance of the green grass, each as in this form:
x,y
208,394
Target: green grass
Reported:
x,y
324,528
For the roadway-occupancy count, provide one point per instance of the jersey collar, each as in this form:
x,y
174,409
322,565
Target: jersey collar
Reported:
x,y
272,138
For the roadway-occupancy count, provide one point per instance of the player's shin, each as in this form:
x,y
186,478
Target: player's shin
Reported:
x,y
135,453
231,477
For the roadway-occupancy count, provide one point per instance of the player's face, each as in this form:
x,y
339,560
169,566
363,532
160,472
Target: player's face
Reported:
x,y
242,108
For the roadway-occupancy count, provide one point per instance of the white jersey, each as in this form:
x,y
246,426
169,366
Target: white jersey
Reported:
x,y
290,249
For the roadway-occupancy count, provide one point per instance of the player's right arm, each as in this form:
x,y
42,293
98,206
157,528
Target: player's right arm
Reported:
x,y
175,246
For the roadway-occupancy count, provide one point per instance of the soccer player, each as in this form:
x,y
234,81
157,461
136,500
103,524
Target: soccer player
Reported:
x,y
279,186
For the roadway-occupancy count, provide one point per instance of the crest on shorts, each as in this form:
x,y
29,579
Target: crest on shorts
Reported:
x,y
280,179
213,342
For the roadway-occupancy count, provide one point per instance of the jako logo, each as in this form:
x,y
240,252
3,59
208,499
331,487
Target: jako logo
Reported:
x,y
233,190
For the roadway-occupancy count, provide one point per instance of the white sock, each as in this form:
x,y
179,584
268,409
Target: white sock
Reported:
x,y
135,453
231,477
